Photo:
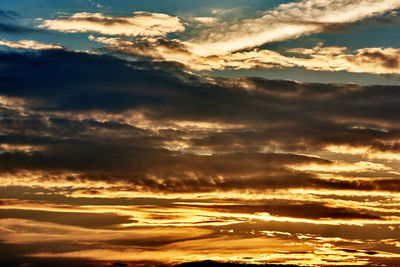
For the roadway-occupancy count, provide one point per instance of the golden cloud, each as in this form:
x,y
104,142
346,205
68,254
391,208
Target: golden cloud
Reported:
x,y
141,24
367,60
29,44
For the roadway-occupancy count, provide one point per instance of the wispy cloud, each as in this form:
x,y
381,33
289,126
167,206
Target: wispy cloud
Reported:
x,y
29,44
206,20
365,60
141,24
288,21
215,47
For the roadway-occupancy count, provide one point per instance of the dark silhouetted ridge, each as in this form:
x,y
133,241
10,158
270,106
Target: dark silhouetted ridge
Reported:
x,y
227,264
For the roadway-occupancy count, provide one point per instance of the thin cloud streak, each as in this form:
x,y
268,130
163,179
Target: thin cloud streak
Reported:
x,y
141,24
29,44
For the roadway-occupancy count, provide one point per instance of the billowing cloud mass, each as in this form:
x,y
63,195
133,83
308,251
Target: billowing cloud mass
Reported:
x,y
122,154
141,24
248,125
132,140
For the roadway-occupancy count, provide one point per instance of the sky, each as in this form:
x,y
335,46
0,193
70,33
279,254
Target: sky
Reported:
x,y
155,133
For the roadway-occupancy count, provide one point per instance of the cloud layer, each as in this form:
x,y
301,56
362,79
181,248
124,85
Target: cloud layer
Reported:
x,y
118,150
104,160
170,132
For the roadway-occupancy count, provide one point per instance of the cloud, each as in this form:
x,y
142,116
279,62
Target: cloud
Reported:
x,y
206,20
182,52
369,152
141,24
337,167
288,21
305,210
29,44
157,129
13,233
366,60
143,160
87,220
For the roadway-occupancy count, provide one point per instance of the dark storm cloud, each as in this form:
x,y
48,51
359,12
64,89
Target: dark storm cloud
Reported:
x,y
389,185
78,82
279,114
166,171
174,171
68,146
40,131
311,135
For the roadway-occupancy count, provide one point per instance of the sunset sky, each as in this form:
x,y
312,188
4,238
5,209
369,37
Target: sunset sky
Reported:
x,y
149,133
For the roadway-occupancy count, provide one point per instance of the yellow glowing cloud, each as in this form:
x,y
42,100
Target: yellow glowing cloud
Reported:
x,y
20,148
234,248
29,44
366,152
337,167
228,248
141,24
206,20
